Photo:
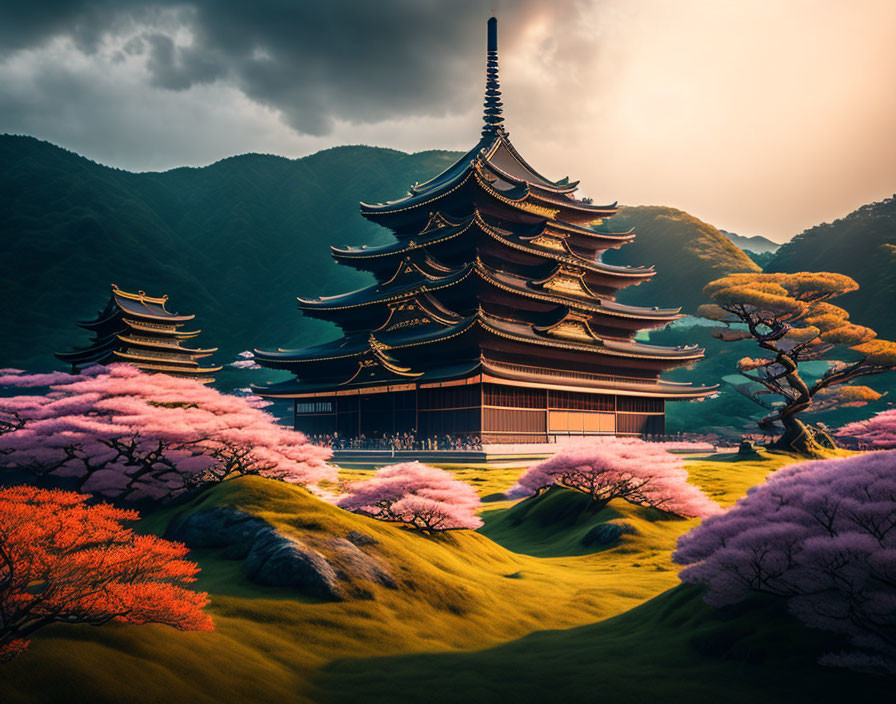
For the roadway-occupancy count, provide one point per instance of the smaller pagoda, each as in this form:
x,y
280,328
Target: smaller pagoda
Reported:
x,y
137,329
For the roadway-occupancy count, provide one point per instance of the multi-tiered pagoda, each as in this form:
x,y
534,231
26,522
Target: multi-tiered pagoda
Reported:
x,y
492,316
139,330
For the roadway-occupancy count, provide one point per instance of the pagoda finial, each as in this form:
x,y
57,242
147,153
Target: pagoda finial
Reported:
x,y
493,115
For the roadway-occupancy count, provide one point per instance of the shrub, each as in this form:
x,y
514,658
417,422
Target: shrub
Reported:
x,y
640,472
821,535
119,433
422,497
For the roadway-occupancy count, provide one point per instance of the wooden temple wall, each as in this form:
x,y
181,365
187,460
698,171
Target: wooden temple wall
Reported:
x,y
496,413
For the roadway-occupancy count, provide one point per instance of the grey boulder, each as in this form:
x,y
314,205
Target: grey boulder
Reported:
x,y
607,533
273,558
278,560
223,527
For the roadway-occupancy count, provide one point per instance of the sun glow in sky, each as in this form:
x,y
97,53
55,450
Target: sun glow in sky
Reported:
x,y
759,117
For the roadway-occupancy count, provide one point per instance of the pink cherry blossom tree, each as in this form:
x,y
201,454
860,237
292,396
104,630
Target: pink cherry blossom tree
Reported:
x,y
878,432
821,535
607,468
422,497
122,434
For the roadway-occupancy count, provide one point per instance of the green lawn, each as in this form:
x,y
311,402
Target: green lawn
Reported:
x,y
480,601
673,649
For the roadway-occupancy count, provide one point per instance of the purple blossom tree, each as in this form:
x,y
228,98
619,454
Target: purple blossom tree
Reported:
x,y
422,497
121,434
609,468
821,535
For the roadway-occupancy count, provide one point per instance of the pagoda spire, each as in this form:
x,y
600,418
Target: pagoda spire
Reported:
x,y
493,115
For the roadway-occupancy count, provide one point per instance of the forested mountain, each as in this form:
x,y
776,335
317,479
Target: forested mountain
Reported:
x,y
237,241
233,243
688,253
756,243
861,245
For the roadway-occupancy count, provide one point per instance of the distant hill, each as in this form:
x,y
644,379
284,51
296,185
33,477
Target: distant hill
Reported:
x,y
688,253
757,243
861,245
761,258
237,241
233,243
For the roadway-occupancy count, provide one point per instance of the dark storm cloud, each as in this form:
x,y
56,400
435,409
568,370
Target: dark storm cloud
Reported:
x,y
178,68
316,62
25,24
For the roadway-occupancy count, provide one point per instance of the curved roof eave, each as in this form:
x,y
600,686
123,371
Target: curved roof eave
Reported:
x,y
414,201
344,301
671,391
609,347
572,259
401,246
452,171
503,139
387,341
602,306
522,181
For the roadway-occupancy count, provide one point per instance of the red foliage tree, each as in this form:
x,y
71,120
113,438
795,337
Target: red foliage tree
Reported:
x,y
878,432
820,534
640,472
422,497
119,433
62,561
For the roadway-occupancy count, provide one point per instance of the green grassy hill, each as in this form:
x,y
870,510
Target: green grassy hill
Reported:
x,y
559,523
456,591
861,245
672,649
462,591
688,253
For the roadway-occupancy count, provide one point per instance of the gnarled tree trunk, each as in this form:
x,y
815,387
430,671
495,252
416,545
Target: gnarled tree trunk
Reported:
x,y
802,439
799,437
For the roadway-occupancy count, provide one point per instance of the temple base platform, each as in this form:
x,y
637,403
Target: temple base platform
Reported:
x,y
489,454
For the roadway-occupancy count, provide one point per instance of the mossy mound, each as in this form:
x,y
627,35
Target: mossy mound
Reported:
x,y
457,592
674,648
454,591
562,522
554,507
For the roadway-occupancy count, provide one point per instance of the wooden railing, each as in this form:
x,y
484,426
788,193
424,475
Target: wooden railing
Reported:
x,y
544,371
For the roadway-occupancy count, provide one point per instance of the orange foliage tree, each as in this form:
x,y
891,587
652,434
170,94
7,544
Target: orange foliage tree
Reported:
x,y
63,561
789,316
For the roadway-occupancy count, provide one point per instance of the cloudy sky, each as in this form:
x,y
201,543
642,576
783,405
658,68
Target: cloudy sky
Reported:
x,y
761,117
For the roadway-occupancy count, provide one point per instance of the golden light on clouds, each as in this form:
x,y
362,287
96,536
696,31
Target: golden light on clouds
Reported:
x,y
761,117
